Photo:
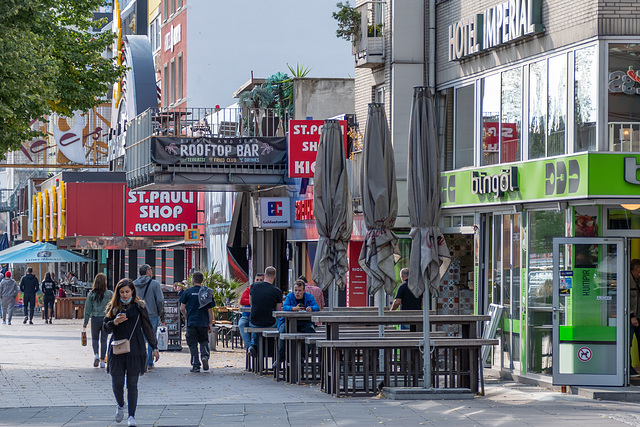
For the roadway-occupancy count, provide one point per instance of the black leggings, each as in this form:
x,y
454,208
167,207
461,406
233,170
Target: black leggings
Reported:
x,y
117,382
48,305
98,336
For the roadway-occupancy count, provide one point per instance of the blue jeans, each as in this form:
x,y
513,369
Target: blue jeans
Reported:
x,y
154,325
254,336
246,338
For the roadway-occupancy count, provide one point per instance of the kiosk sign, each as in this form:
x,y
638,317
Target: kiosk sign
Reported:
x,y
159,213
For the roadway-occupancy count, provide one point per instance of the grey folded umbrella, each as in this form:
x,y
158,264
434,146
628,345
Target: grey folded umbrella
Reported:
x,y
428,247
332,208
379,203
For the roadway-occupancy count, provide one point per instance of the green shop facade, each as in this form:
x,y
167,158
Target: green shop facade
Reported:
x,y
552,242
538,124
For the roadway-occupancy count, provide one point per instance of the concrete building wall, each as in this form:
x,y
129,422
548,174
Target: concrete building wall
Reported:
x,y
322,98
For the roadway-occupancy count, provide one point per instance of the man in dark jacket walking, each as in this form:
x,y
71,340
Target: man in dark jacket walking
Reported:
x,y
29,285
149,290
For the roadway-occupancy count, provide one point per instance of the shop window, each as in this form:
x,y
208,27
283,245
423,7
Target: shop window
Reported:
x,y
465,101
445,128
490,120
543,227
585,99
623,219
557,101
624,97
511,115
537,109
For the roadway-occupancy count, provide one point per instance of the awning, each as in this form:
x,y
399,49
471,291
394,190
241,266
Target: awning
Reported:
x,y
178,244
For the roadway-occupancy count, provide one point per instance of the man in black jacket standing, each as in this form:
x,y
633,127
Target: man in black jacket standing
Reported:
x,y
29,285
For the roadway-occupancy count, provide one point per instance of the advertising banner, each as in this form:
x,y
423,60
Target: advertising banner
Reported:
x,y
275,212
304,136
159,213
264,151
356,278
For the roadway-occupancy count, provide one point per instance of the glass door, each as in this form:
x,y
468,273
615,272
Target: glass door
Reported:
x,y
589,345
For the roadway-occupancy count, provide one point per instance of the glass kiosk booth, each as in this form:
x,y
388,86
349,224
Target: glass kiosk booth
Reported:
x,y
590,293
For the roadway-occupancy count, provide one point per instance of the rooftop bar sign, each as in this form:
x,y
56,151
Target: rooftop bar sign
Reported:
x,y
500,24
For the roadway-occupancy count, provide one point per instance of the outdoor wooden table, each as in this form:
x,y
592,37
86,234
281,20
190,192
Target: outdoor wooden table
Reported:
x,y
292,356
244,309
334,322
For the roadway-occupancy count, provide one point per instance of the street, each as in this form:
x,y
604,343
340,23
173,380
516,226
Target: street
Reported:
x,y
47,379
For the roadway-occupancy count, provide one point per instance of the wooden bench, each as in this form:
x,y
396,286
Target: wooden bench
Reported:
x,y
259,365
364,366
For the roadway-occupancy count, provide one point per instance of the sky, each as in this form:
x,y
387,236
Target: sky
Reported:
x,y
262,36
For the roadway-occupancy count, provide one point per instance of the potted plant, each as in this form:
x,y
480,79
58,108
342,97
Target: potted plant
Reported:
x,y
348,19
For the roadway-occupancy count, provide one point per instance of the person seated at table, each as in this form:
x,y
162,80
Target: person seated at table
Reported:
x,y
298,300
265,298
405,298
313,290
244,319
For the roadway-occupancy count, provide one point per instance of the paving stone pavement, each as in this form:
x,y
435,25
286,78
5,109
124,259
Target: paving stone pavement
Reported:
x,y
47,379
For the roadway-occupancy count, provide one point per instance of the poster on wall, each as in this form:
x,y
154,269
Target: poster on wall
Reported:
x,y
304,137
585,224
159,213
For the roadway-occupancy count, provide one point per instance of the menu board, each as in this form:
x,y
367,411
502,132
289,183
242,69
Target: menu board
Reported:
x,y
172,320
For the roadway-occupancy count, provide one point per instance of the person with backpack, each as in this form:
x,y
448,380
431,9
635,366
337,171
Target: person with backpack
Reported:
x,y
95,309
48,288
29,286
150,291
196,303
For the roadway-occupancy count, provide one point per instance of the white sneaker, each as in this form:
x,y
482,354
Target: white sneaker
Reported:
x,y
119,414
132,421
102,365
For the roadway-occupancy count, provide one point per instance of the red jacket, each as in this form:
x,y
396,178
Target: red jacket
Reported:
x,y
244,299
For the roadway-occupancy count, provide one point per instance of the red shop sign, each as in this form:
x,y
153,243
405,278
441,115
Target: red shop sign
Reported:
x,y
159,213
304,136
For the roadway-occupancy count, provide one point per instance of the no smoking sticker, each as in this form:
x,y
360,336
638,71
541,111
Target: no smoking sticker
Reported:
x,y
584,354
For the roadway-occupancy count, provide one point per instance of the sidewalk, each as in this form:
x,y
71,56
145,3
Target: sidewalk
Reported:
x,y
47,379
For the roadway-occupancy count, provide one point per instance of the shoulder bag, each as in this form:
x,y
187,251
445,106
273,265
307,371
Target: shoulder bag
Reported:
x,y
123,346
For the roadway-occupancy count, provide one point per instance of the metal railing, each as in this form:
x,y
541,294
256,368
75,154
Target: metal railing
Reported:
x,y
624,136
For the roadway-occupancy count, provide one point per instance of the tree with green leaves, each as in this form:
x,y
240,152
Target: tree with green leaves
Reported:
x,y
348,19
50,62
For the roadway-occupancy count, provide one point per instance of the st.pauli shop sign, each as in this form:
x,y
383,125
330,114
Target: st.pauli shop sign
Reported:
x,y
159,213
263,151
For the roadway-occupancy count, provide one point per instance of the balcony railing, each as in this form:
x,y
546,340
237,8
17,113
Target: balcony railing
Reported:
x,y
196,123
369,46
624,136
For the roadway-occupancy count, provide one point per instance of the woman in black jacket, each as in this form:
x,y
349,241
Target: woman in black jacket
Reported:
x,y
128,318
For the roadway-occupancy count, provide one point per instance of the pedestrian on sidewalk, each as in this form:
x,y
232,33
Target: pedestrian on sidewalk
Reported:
x,y
150,291
196,303
48,288
29,286
8,293
95,309
127,318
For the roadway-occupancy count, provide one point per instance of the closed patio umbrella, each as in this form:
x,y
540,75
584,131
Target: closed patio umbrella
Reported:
x,y
428,247
332,209
379,204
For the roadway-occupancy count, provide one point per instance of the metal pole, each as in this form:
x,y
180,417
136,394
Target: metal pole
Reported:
x,y
427,343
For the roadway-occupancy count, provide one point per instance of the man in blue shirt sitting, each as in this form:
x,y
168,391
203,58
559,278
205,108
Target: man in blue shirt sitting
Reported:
x,y
196,303
298,300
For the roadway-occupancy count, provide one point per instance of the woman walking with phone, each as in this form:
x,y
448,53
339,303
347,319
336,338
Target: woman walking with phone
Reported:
x,y
95,309
128,320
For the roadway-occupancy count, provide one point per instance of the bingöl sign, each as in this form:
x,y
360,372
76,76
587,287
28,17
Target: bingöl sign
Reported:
x,y
159,213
